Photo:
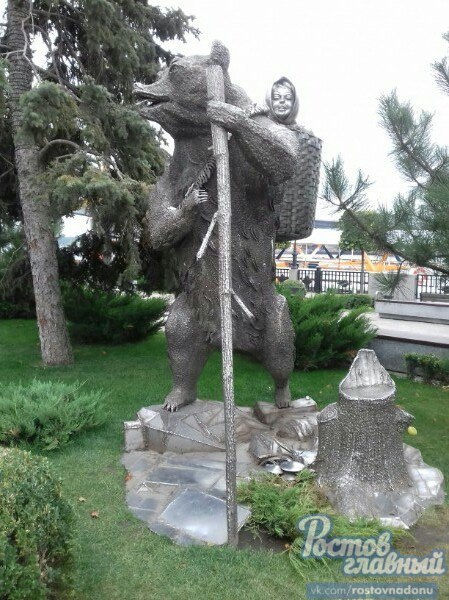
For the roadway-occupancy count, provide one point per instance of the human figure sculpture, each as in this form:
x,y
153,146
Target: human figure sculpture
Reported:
x,y
262,155
282,101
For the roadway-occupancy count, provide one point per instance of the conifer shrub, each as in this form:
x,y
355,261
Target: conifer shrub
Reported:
x,y
277,505
35,529
428,366
356,300
292,287
326,333
97,317
47,415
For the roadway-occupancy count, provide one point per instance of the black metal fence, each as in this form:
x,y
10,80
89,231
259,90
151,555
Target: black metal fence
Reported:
x,y
282,273
431,284
343,282
347,282
321,280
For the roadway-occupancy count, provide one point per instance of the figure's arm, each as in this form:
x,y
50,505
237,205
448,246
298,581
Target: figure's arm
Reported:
x,y
270,147
168,224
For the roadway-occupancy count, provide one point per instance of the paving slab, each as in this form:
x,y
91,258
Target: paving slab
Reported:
x,y
198,515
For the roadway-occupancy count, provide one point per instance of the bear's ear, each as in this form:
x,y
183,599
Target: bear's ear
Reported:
x,y
219,55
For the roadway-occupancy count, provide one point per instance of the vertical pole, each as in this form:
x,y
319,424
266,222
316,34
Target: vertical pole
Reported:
x,y
215,90
362,273
294,256
317,287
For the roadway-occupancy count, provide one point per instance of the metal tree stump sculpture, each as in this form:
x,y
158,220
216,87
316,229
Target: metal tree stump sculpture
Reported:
x,y
360,455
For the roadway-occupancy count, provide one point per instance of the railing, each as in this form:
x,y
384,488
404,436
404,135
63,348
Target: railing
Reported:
x,y
431,284
346,282
343,282
282,273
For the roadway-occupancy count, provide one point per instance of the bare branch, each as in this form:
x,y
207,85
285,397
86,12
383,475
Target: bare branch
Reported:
x,y
64,83
56,142
3,157
10,170
51,52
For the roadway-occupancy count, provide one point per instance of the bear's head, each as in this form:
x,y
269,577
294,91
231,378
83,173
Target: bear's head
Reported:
x,y
177,100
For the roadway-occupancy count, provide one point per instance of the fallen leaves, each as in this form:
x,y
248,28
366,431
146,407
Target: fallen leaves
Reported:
x,y
95,514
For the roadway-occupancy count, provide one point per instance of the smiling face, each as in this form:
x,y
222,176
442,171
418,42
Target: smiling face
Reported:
x,y
282,101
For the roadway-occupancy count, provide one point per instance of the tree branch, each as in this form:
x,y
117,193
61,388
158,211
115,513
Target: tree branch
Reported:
x,y
56,142
390,247
64,83
10,170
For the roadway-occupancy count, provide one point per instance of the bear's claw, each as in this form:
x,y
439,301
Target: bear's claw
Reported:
x,y
176,399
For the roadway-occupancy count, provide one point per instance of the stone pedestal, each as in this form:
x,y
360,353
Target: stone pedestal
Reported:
x,y
198,427
177,462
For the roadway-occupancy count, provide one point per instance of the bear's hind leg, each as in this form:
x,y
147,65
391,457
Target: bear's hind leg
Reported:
x,y
188,352
279,348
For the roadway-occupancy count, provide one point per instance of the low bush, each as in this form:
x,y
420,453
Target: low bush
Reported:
x,y
325,333
16,287
277,505
356,300
292,287
46,415
16,310
106,318
35,529
430,367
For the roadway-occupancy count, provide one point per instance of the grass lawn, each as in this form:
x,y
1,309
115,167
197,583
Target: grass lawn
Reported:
x,y
116,556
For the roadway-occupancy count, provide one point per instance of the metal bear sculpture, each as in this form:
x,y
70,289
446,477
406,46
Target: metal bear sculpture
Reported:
x,y
262,155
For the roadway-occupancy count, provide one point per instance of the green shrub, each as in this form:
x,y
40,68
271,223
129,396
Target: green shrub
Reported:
x,y
35,529
325,335
292,287
14,310
277,505
106,318
390,282
430,367
356,300
16,287
46,415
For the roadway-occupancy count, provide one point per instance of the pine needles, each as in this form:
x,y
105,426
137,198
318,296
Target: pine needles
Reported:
x,y
46,415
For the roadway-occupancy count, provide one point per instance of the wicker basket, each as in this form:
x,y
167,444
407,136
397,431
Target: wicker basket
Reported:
x,y
296,212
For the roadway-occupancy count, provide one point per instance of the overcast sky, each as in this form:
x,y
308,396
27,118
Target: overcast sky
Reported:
x,y
342,55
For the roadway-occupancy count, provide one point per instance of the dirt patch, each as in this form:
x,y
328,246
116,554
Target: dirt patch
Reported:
x,y
261,541
430,533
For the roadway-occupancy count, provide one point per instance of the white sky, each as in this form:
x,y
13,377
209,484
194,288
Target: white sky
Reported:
x,y
342,55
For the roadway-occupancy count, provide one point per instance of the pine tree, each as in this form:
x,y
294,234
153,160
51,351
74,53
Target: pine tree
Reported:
x,y
71,137
416,227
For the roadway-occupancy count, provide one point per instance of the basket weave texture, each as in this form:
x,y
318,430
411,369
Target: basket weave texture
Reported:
x,y
296,212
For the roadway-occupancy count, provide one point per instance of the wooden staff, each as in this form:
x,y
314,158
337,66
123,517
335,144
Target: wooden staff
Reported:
x,y
215,89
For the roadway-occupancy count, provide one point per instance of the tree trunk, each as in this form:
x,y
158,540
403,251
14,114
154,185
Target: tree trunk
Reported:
x,y
55,344
362,272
